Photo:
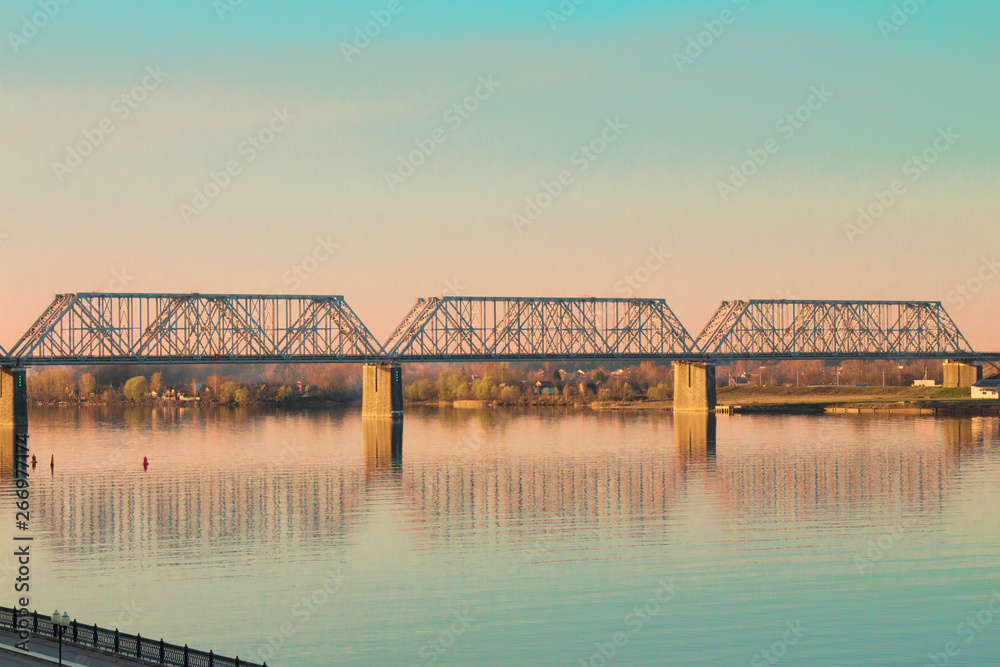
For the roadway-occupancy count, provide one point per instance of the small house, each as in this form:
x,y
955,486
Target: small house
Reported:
x,y
545,387
987,389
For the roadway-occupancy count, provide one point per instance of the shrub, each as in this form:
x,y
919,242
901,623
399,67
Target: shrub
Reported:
x,y
660,392
285,395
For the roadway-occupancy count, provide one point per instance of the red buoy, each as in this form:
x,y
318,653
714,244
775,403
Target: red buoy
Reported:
x,y
145,463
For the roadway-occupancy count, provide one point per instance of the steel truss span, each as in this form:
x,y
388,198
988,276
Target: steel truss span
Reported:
x,y
98,328
522,329
780,329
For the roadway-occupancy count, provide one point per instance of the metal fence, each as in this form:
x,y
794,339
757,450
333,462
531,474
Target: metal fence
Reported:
x,y
137,647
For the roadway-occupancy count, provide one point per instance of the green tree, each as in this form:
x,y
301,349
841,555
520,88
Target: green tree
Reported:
x,y
485,389
227,393
137,389
422,390
510,395
243,396
156,382
86,385
50,385
453,385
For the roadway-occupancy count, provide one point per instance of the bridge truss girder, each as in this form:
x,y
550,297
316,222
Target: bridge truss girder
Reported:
x,y
782,329
526,329
99,328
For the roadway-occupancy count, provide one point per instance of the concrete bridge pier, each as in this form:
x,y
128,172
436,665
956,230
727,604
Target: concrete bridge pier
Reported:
x,y
961,373
13,397
13,423
382,391
694,386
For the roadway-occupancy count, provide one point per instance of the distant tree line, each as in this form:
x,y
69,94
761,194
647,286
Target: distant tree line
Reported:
x,y
518,384
507,384
113,385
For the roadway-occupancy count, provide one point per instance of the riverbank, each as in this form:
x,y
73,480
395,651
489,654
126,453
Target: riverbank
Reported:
x,y
784,400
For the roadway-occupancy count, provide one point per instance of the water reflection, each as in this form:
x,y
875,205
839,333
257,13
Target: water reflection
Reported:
x,y
13,452
695,436
383,444
299,481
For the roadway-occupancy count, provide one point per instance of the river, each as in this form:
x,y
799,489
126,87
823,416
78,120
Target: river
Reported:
x,y
516,537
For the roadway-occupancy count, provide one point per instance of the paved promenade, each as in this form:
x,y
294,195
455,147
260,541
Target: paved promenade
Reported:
x,y
45,651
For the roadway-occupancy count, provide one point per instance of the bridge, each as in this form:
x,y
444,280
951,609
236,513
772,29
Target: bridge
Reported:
x,y
102,329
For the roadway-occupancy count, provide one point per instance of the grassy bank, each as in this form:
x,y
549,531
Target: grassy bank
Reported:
x,y
836,395
760,399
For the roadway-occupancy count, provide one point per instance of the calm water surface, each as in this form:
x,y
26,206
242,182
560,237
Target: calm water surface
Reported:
x,y
515,538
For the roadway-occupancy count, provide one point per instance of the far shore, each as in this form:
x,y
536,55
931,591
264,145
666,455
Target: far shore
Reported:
x,y
776,400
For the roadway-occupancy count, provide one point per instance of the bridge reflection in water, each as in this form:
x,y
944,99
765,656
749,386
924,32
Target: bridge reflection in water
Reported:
x,y
383,444
799,467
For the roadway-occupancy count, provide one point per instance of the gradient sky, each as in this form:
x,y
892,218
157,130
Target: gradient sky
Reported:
x,y
448,228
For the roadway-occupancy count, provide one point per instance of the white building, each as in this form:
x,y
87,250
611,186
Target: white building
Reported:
x,y
987,389
925,383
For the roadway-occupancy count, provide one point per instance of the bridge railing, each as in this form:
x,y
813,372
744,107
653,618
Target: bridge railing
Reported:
x,y
136,647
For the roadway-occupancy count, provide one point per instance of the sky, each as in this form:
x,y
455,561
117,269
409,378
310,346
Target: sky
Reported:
x,y
691,151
